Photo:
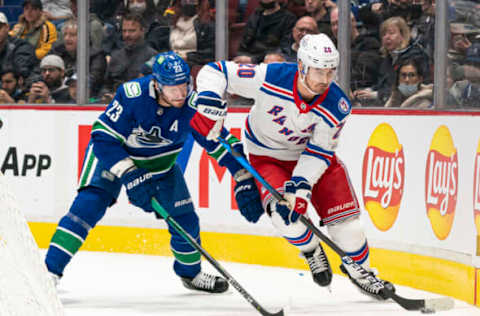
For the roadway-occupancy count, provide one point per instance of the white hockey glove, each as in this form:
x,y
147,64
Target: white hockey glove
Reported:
x,y
211,113
296,197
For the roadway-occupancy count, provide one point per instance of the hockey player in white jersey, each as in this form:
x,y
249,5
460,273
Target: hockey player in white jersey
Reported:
x,y
291,135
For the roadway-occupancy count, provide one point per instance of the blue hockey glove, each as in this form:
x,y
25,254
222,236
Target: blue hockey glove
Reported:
x,y
295,202
140,187
247,196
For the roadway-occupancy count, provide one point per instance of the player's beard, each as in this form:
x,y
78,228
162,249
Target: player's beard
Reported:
x,y
163,100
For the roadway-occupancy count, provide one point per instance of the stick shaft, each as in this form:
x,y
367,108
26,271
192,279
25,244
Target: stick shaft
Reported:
x,y
160,210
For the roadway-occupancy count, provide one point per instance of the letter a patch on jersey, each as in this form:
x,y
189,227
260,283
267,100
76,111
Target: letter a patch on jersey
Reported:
x,y
174,126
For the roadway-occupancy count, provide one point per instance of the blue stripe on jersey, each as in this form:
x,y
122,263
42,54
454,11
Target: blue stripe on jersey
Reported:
x,y
325,119
320,150
224,70
337,102
215,102
250,136
209,94
270,92
361,255
304,239
308,153
214,66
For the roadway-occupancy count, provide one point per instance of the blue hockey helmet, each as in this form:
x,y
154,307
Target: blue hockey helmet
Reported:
x,y
169,69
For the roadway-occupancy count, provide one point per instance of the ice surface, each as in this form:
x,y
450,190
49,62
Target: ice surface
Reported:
x,y
107,284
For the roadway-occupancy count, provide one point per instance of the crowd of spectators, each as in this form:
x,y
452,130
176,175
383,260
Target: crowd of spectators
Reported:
x,y
392,45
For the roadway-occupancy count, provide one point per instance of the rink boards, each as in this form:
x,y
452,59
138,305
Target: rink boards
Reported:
x,y
416,174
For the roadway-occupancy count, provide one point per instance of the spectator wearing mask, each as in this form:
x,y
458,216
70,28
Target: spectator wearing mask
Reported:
x,y
126,62
192,35
423,29
67,50
35,28
267,29
396,47
305,25
320,11
409,90
15,53
49,88
145,8
11,91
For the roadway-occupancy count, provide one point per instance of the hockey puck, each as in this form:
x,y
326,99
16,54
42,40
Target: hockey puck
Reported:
x,y
1,123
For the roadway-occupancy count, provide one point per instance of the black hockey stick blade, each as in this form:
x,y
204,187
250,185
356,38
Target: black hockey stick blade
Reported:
x,y
162,212
428,305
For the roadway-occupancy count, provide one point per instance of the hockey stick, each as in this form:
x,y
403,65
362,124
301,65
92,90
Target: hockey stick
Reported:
x,y
425,305
160,210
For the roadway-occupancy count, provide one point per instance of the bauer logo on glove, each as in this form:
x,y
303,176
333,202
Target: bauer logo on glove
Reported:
x,y
138,180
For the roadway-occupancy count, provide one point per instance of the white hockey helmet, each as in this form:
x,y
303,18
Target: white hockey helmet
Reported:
x,y
317,51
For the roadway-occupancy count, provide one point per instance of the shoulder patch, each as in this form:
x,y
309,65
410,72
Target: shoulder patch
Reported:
x,y
192,101
132,89
343,106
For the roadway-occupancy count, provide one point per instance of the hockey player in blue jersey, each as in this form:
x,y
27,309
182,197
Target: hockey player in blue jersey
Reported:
x,y
136,142
291,134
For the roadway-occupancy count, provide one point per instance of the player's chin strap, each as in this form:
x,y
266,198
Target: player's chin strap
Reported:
x,y
303,76
425,305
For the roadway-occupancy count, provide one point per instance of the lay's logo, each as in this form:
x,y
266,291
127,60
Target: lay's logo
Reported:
x,y
383,176
476,190
441,178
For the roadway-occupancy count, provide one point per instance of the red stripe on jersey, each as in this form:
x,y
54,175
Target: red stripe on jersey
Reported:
x,y
301,241
328,115
361,256
288,93
302,106
329,158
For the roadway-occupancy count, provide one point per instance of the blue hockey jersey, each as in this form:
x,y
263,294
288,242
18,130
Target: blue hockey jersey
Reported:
x,y
135,128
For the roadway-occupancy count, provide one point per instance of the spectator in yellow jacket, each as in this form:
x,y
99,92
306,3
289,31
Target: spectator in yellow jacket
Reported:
x,y
34,27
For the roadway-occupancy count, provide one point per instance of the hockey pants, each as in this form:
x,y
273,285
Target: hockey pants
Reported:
x,y
88,209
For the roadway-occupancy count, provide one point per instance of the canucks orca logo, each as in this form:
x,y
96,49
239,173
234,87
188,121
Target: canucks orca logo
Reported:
x,y
153,138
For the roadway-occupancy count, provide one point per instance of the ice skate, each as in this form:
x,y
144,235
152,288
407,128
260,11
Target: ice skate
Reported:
x,y
206,282
367,282
319,266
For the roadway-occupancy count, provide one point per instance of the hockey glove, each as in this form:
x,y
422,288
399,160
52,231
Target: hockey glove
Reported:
x,y
140,187
297,194
211,112
247,196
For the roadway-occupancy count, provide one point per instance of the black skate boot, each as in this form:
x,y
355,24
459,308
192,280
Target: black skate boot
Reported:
x,y
319,265
206,282
367,282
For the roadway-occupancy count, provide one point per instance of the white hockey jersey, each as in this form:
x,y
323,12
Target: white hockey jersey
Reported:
x,y
280,124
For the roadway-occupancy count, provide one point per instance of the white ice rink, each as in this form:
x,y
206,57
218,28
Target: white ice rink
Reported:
x,y
106,284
